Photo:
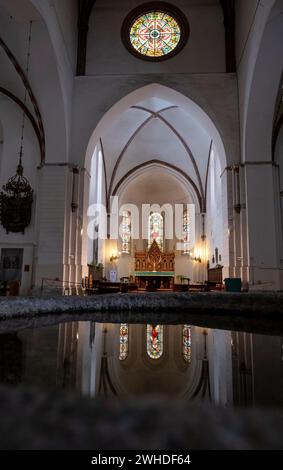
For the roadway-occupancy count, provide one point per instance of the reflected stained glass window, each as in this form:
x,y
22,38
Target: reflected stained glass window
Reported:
x,y
126,232
124,341
186,231
155,34
155,229
187,343
154,341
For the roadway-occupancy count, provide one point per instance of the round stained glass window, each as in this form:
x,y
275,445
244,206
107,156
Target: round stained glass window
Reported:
x,y
155,31
155,34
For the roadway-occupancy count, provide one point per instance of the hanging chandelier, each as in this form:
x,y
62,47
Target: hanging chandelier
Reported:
x,y
16,202
17,196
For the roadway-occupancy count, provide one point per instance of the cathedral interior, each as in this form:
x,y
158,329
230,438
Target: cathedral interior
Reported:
x,y
141,163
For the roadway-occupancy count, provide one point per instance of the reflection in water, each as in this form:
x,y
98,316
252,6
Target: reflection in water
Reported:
x,y
203,388
154,341
67,354
11,359
243,377
110,360
187,343
105,385
124,341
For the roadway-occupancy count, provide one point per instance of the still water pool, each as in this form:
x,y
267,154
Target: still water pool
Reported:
x,y
227,368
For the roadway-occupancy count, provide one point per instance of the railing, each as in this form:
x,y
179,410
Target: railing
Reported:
x,y
61,287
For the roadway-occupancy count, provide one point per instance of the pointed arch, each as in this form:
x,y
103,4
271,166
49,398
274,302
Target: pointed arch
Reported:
x,y
32,120
164,93
26,83
180,174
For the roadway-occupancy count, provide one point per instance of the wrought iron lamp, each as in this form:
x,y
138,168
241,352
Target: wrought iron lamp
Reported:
x,y
17,198
16,202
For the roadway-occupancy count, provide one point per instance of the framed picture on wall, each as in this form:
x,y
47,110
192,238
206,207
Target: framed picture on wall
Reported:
x,y
11,264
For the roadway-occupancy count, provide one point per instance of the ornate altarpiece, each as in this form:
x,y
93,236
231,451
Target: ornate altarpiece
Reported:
x,y
154,268
154,260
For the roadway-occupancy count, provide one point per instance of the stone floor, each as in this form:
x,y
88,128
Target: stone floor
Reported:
x,y
35,420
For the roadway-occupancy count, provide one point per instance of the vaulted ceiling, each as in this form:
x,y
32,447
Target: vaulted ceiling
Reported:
x,y
156,130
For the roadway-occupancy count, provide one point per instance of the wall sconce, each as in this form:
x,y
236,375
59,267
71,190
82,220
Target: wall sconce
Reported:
x,y
114,257
195,257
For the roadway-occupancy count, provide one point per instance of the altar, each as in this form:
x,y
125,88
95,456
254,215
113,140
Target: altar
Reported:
x,y
154,269
150,280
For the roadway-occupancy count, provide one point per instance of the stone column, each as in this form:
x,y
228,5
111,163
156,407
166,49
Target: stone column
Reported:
x,y
263,230
237,208
51,222
86,248
243,225
228,254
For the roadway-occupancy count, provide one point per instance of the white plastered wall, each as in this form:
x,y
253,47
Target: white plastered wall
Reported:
x,y
51,77
260,39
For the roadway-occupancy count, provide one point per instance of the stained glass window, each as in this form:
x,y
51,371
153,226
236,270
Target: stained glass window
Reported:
x,y
154,341
155,34
124,341
126,232
187,343
186,231
155,229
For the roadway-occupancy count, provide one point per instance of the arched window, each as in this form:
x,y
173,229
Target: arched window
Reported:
x,y
186,231
187,343
124,341
155,229
126,232
154,341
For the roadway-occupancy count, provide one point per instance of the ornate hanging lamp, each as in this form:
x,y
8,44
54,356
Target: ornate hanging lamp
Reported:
x,y
17,198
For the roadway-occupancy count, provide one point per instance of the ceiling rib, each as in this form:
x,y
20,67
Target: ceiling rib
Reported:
x,y
32,97
126,146
182,140
153,115
166,165
29,115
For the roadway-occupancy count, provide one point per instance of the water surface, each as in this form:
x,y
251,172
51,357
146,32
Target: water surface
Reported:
x,y
227,368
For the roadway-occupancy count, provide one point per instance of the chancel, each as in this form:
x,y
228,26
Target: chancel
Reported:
x,y
163,129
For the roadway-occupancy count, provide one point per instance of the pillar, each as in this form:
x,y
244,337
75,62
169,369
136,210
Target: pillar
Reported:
x,y
51,222
263,231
